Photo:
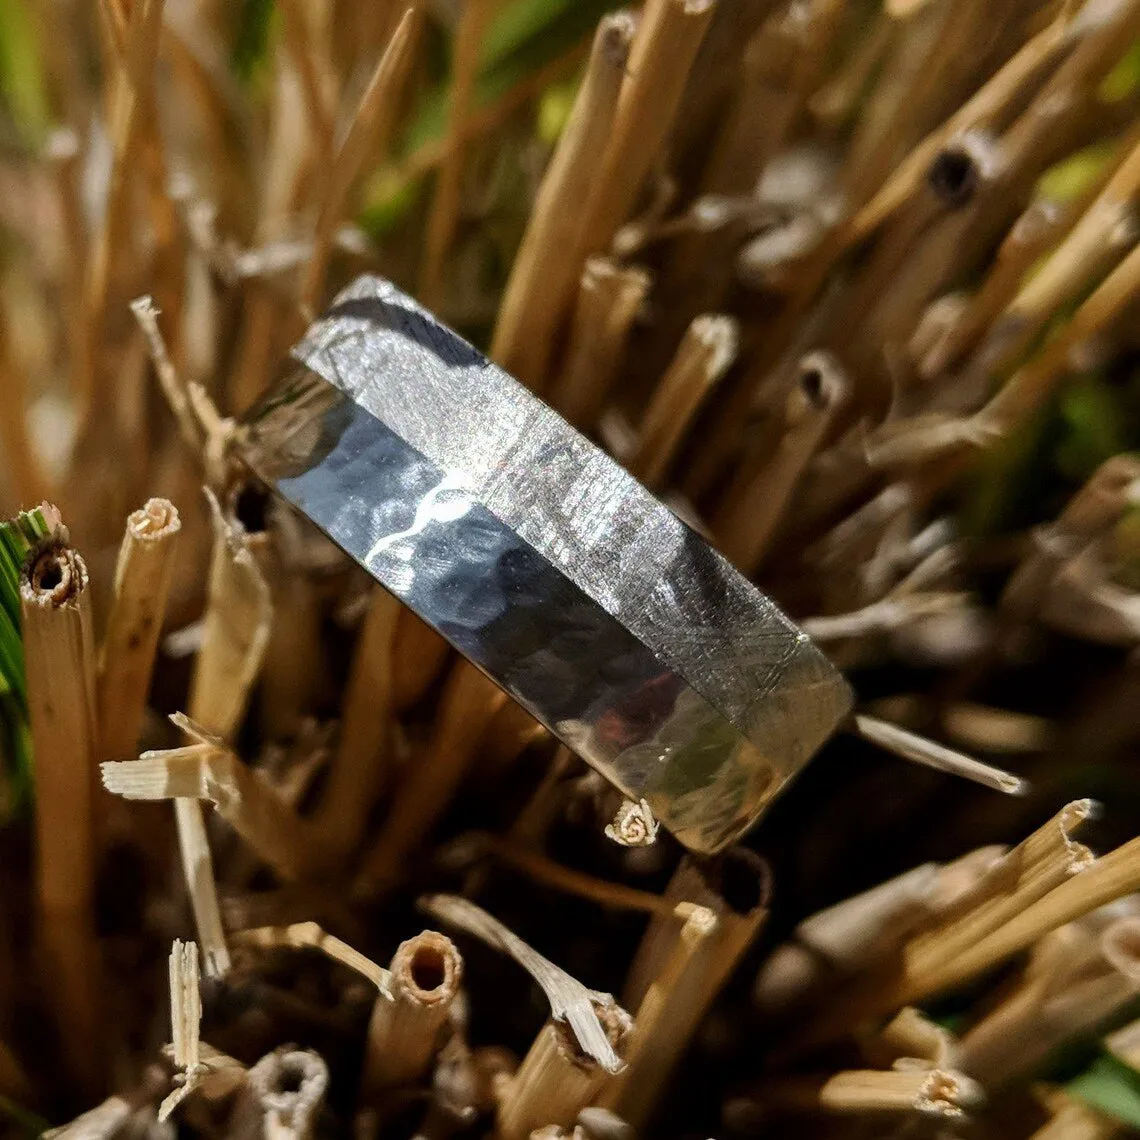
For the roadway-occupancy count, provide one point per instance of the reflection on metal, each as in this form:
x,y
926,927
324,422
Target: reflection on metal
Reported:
x,y
546,564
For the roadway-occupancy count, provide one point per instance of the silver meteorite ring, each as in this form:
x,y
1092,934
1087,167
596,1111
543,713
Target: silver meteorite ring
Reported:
x,y
546,564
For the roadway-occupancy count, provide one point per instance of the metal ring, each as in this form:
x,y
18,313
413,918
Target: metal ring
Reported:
x,y
545,563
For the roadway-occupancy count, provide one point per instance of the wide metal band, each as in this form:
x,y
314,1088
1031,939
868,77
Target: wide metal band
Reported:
x,y
546,564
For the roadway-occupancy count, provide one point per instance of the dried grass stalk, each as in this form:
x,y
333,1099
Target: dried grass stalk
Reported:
x,y
370,129
663,51
845,938
1076,981
309,934
705,354
142,584
407,1028
1044,861
919,750
543,278
469,702
236,629
681,966
570,1001
665,1019
937,1093
363,761
556,1080
562,878
751,511
206,770
23,471
609,299
59,654
444,216
285,1091
185,1016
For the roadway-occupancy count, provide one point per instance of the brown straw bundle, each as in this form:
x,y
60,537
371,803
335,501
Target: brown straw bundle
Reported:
x,y
849,284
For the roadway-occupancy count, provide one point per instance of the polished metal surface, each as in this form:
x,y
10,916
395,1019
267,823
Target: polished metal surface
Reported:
x,y
546,564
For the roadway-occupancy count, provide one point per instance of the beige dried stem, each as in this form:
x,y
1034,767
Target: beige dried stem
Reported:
x,y
59,655
880,617
309,934
556,1080
975,933
284,1094
130,642
407,1028
666,1018
561,878
1091,511
666,43
299,42
979,112
912,1040
681,966
705,354
750,513
845,938
543,279
444,217
21,469
919,750
177,396
570,1001
1077,981
370,130
1046,860
235,634
609,300
1101,235
363,762
113,237
1074,1120
1031,385
468,704
185,1017
207,770
941,1094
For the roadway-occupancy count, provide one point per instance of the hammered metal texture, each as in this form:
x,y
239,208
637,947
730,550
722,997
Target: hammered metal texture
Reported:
x,y
546,564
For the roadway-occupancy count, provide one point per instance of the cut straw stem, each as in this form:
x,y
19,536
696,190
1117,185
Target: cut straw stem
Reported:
x,y
609,299
556,1080
570,1001
666,1018
1075,994
243,797
750,514
664,48
309,934
919,750
681,966
370,130
407,1028
363,760
469,703
543,279
142,584
236,632
444,216
562,878
938,1093
705,354
55,607
22,470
